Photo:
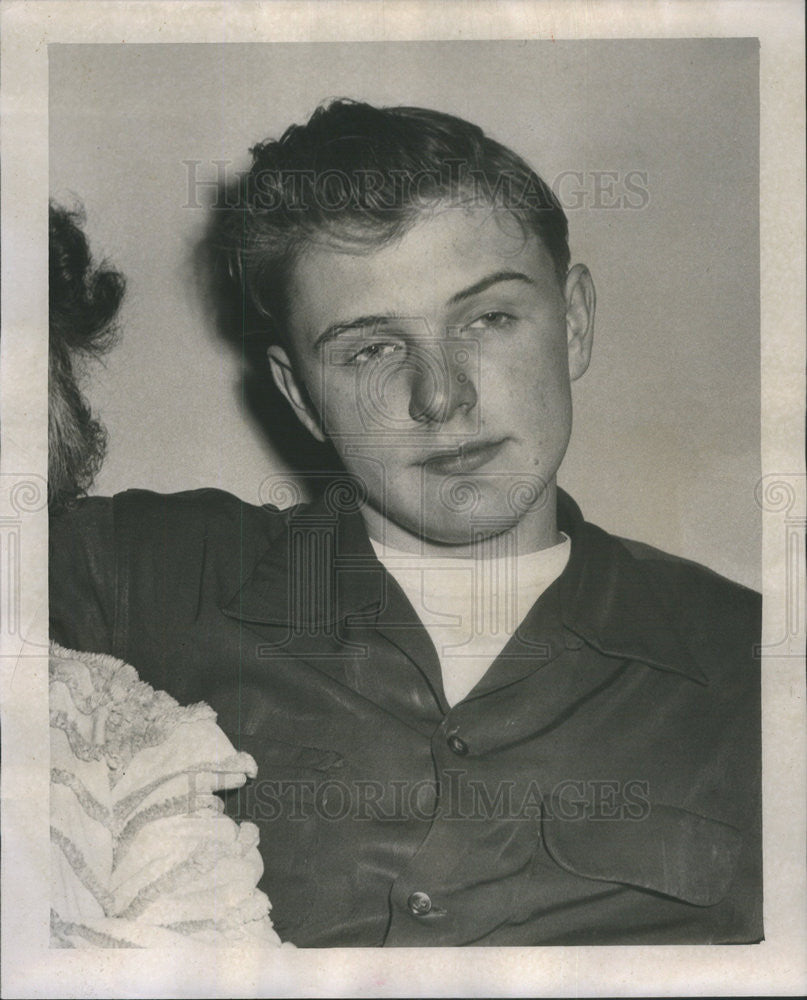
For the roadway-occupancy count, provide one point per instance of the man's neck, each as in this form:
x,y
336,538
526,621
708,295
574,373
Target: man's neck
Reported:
x,y
536,530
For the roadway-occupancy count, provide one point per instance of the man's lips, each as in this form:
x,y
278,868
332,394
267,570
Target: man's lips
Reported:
x,y
466,458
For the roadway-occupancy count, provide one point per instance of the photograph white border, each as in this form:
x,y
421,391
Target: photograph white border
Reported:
x,y
778,966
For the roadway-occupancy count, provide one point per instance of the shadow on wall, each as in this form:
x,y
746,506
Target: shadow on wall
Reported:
x,y
238,322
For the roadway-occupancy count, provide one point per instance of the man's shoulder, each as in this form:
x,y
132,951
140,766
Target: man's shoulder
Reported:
x,y
146,512
143,527
681,574
681,570
717,619
207,503
677,579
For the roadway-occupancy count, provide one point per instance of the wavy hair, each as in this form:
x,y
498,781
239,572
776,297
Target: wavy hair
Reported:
x,y
355,177
84,300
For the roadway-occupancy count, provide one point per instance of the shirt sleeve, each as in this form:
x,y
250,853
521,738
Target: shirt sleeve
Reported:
x,y
82,576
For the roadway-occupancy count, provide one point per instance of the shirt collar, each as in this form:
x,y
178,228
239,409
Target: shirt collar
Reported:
x,y
615,601
321,569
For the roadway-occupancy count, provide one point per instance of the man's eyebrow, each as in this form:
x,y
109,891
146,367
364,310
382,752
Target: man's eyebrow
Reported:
x,y
359,323
377,319
484,283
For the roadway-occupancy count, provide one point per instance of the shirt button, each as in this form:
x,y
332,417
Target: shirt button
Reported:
x,y
572,641
419,903
457,745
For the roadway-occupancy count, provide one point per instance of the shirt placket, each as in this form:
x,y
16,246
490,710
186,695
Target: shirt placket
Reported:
x,y
438,897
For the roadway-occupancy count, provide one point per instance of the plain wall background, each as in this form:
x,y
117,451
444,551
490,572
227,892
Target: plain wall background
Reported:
x,y
666,440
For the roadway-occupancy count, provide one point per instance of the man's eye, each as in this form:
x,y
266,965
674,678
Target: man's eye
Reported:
x,y
493,320
374,352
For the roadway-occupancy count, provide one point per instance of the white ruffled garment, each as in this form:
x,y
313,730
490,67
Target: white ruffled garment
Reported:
x,y
141,852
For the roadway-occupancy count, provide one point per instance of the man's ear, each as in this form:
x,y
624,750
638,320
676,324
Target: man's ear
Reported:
x,y
286,381
580,304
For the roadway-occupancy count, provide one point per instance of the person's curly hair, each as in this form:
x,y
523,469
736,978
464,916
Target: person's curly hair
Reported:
x,y
84,300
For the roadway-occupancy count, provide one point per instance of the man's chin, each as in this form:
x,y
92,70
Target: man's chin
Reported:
x,y
462,532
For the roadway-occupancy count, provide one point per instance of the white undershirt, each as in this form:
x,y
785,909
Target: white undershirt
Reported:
x,y
471,607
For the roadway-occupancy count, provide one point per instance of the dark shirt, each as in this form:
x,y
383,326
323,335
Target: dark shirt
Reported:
x,y
599,785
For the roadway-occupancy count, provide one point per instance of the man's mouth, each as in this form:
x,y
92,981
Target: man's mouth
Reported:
x,y
465,458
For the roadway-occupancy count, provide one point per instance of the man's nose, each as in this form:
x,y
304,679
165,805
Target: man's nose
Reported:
x,y
443,381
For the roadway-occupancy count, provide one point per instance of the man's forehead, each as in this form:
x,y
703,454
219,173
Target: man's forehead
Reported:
x,y
438,257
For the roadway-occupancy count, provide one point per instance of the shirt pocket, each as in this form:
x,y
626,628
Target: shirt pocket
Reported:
x,y
282,757
670,851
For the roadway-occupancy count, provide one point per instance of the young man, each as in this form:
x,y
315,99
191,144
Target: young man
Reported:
x,y
477,718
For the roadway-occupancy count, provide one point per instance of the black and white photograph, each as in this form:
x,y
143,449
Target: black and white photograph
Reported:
x,y
413,506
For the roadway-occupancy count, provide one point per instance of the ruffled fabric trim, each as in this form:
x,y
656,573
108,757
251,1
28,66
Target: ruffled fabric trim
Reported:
x,y
142,853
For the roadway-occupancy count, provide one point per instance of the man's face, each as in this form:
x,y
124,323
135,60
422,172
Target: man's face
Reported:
x,y
439,366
